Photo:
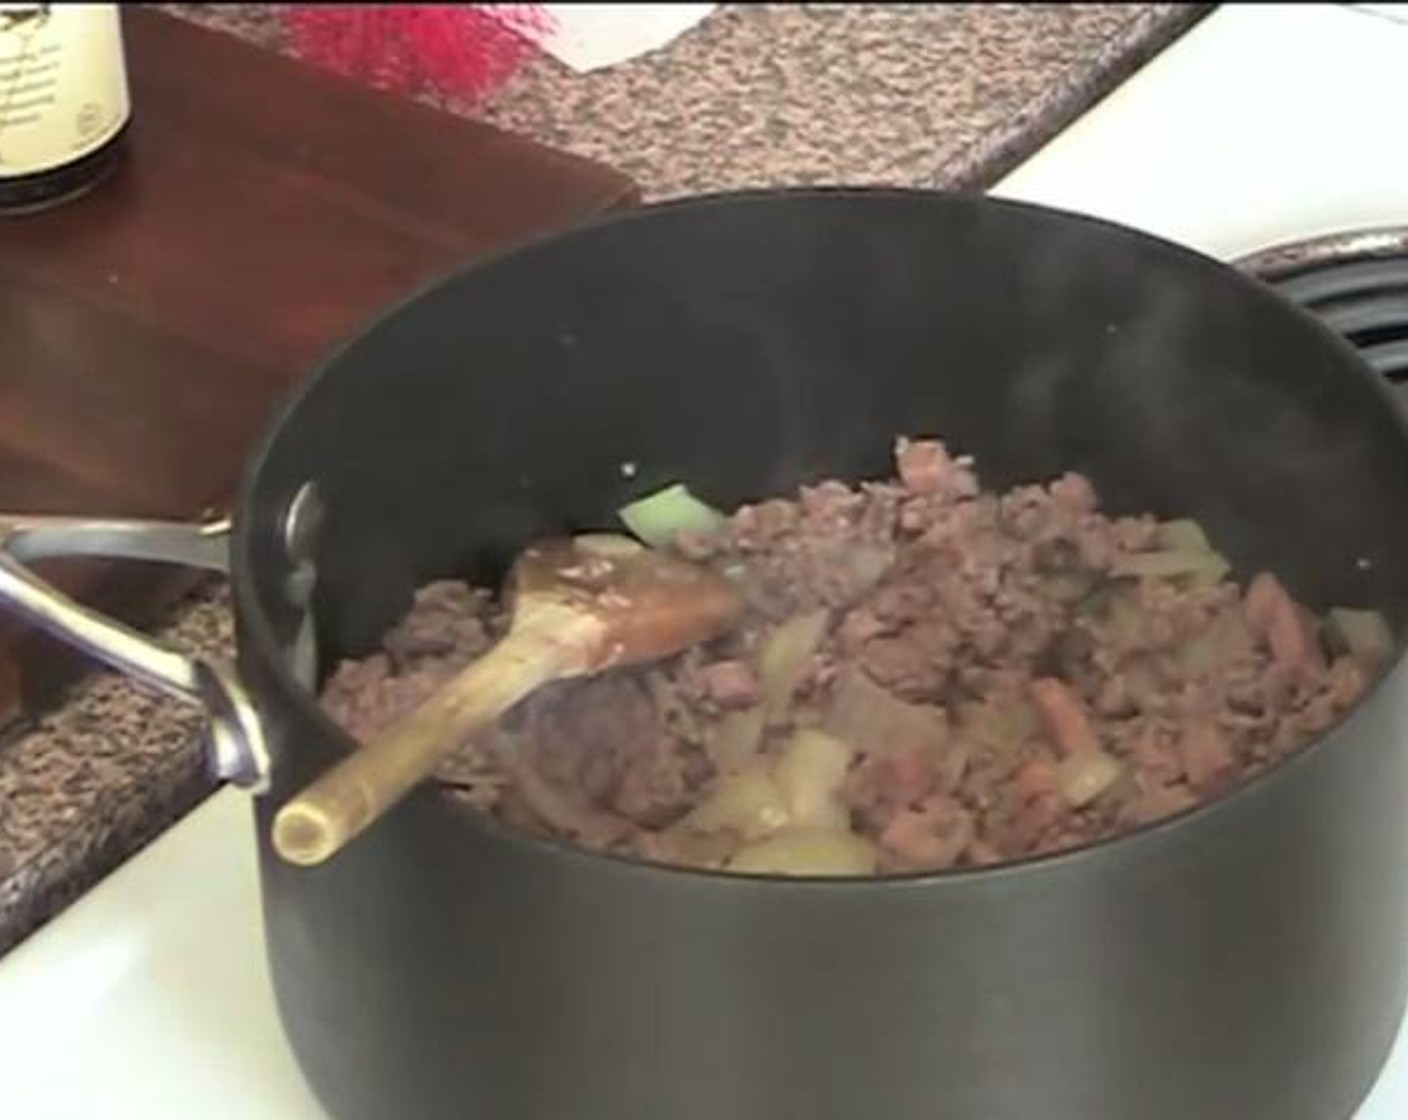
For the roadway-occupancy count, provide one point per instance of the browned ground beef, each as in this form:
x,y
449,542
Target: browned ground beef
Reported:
x,y
1002,684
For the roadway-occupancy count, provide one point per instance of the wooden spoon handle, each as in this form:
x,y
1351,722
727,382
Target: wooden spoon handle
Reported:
x,y
318,822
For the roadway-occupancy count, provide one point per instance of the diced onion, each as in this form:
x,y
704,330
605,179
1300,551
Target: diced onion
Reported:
x,y
734,742
747,802
809,773
1182,535
807,851
873,718
1363,634
1205,566
613,546
1085,776
1005,724
784,657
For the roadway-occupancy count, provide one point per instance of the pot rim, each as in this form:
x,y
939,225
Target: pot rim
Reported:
x,y
255,635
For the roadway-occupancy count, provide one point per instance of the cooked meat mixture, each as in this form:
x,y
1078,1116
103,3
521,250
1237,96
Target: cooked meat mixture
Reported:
x,y
929,676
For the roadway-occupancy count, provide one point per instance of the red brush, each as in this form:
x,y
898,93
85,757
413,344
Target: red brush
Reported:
x,y
461,50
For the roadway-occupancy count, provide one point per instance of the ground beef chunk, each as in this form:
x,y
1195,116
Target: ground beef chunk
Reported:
x,y
1002,681
758,528
731,684
447,621
914,664
654,784
367,696
604,740
564,812
926,468
828,550
1154,802
930,837
1159,753
858,628
890,781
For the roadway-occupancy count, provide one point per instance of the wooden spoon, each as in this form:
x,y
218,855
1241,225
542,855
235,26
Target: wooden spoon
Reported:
x,y
579,607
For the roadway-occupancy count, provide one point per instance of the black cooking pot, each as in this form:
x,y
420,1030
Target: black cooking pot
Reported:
x,y
1244,961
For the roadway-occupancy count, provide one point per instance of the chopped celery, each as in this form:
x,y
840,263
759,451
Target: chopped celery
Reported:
x,y
659,518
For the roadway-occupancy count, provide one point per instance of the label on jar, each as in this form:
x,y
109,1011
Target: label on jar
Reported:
x,y
63,84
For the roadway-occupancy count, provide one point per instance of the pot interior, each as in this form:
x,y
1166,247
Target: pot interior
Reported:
x,y
747,344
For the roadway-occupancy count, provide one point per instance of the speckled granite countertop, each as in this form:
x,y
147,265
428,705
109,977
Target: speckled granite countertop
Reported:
x,y
929,95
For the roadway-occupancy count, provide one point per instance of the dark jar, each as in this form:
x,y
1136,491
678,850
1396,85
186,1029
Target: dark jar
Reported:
x,y
64,103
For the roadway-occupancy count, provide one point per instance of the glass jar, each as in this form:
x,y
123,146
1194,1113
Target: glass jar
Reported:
x,y
64,104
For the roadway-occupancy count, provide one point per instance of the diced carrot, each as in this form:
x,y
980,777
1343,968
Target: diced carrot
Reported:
x,y
1207,755
1037,778
1063,716
1274,617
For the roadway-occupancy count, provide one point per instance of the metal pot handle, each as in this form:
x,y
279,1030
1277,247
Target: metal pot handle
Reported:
x,y
237,751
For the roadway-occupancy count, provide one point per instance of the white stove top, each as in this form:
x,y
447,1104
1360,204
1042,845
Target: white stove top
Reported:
x,y
149,998
1264,124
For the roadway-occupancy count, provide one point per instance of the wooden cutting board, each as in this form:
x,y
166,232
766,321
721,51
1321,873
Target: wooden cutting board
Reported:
x,y
264,212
